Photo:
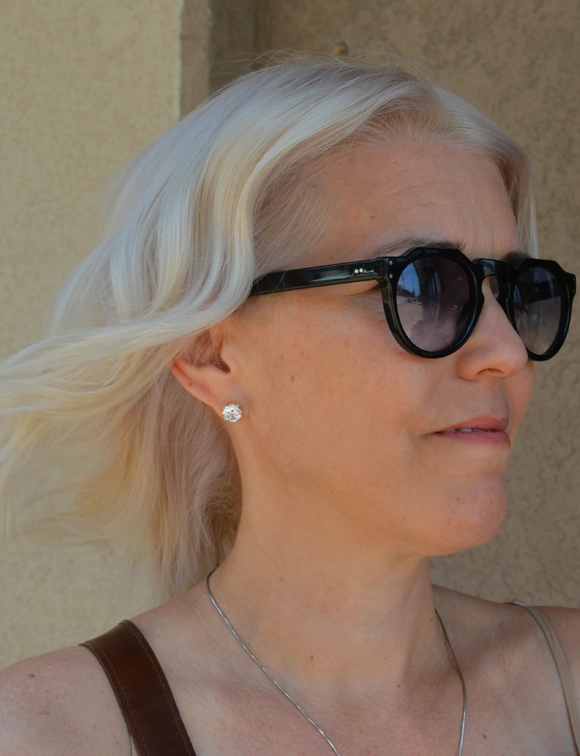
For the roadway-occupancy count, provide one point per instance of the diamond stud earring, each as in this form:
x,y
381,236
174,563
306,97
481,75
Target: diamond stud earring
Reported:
x,y
231,413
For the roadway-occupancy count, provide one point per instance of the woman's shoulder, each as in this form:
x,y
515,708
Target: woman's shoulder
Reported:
x,y
566,625
473,610
507,631
62,702
58,703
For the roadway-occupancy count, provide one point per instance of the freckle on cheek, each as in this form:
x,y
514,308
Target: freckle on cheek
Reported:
x,y
292,378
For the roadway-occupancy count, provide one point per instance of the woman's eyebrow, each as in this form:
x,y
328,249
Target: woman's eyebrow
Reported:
x,y
399,246
515,258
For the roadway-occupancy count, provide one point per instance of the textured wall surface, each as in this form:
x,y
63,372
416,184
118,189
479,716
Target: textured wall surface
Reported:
x,y
519,63
84,85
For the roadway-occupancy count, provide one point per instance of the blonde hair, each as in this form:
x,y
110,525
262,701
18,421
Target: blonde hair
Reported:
x,y
197,215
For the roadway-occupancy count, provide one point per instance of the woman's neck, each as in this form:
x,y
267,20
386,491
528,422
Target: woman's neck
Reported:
x,y
332,616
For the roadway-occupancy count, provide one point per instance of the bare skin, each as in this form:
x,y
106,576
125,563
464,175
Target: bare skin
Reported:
x,y
351,481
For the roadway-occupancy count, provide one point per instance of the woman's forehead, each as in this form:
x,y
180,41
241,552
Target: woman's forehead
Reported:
x,y
377,196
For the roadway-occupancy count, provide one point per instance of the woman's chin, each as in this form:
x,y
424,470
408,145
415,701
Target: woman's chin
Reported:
x,y
477,518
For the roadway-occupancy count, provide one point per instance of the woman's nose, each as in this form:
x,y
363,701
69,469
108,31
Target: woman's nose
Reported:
x,y
494,346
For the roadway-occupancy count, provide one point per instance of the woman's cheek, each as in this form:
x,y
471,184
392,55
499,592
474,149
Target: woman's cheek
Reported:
x,y
521,389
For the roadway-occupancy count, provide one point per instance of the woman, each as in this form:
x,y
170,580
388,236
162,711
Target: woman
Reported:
x,y
316,441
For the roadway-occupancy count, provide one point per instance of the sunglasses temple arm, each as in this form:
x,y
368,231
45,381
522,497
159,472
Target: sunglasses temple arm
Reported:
x,y
310,278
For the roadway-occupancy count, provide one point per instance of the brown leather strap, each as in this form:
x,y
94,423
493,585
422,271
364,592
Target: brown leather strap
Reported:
x,y
562,667
142,691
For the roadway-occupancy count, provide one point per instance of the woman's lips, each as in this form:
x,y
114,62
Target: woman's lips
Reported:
x,y
483,431
479,437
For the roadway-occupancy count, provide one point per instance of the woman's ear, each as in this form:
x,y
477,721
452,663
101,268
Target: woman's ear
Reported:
x,y
203,373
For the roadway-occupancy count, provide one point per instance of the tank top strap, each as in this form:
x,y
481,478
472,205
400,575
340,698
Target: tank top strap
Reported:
x,y
142,691
562,667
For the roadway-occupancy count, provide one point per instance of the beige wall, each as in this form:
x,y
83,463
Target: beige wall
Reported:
x,y
84,86
89,83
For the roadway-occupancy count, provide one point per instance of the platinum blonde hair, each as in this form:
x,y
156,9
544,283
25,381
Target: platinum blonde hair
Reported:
x,y
216,201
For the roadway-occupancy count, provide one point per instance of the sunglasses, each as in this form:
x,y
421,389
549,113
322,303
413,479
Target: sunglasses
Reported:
x,y
433,297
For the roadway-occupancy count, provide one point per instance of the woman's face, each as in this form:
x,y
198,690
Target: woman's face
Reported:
x,y
410,449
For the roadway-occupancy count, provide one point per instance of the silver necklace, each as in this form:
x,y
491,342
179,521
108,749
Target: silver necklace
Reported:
x,y
297,705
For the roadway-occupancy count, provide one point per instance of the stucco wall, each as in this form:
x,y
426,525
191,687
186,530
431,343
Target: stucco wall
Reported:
x,y
85,85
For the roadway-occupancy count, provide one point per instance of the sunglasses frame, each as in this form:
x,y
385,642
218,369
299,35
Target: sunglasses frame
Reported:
x,y
387,271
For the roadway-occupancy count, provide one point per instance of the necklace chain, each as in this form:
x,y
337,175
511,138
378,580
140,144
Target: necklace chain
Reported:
x,y
297,705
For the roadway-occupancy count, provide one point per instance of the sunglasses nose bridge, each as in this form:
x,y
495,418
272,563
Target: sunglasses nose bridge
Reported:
x,y
500,280
500,286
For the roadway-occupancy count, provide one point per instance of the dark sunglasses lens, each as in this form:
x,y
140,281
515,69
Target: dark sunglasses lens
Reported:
x,y
538,308
433,295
